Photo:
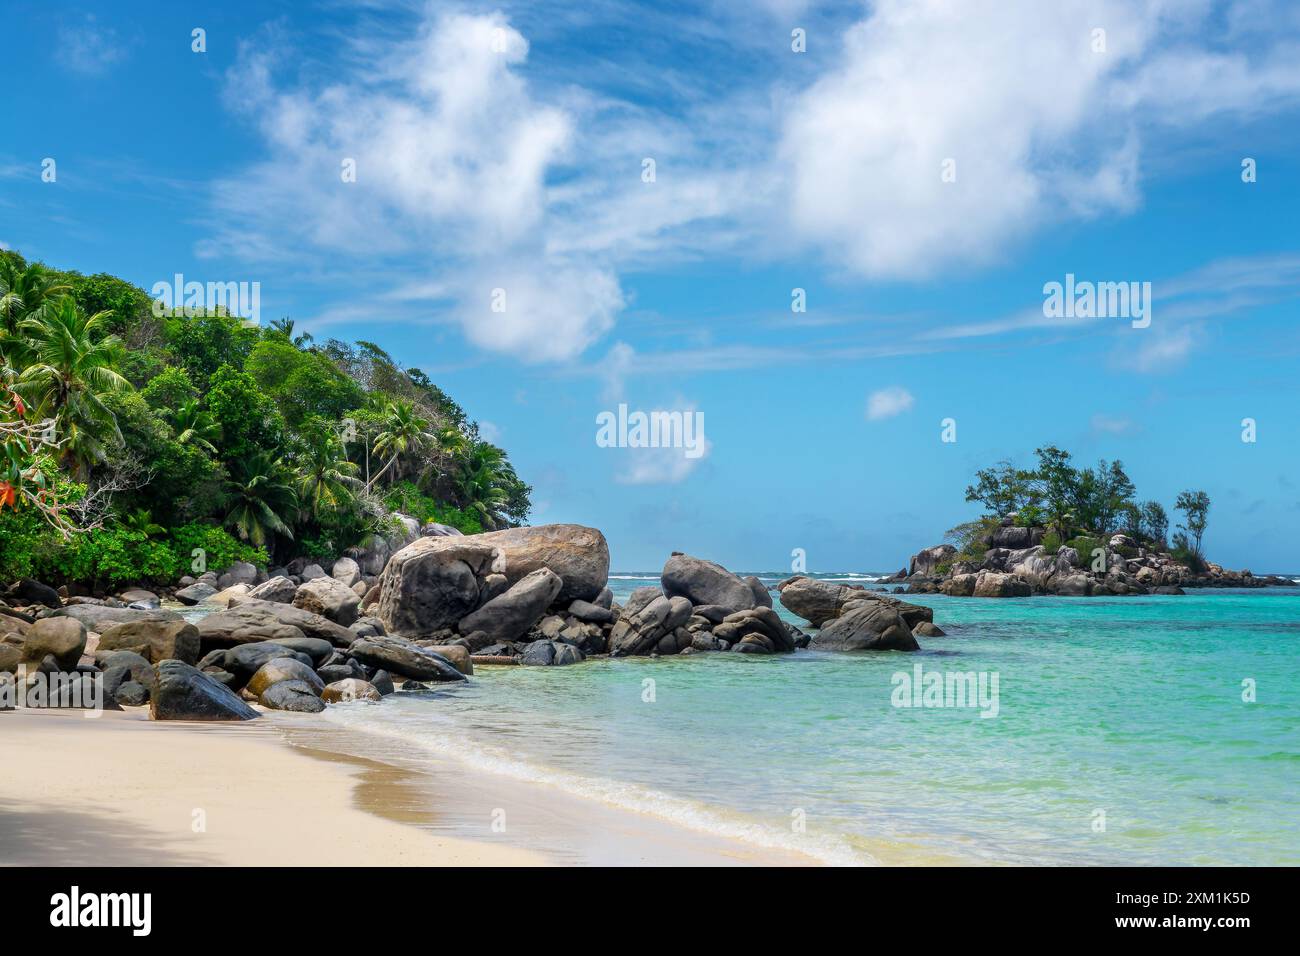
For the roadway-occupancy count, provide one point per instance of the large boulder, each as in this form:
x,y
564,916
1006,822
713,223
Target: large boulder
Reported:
x,y
997,584
155,640
927,561
253,621
292,695
403,658
182,692
510,615
868,625
757,625
280,669
705,582
959,585
31,591
62,638
816,601
99,617
432,583
346,571
121,667
278,589
350,689
577,554
196,593
330,598
241,572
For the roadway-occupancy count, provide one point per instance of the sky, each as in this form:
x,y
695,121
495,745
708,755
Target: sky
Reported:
x,y
825,228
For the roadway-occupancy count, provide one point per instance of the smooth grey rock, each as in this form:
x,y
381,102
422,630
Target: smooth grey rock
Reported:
x,y
184,693
404,659
705,582
510,615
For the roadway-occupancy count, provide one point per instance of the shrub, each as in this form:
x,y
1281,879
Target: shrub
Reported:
x,y
1051,542
1085,546
409,500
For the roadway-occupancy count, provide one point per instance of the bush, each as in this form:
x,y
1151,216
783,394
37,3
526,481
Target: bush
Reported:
x,y
1051,542
409,500
1085,546
220,548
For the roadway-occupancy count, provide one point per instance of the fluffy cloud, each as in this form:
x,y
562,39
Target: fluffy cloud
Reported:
x,y
888,402
1039,124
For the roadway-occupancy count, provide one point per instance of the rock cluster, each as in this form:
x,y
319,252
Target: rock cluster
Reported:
x,y
852,618
1016,564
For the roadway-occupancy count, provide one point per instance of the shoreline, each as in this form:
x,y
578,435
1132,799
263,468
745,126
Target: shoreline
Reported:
x,y
287,791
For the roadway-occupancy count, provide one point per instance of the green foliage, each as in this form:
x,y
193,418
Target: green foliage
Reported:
x,y
1085,546
249,421
1051,542
408,499
1195,506
174,425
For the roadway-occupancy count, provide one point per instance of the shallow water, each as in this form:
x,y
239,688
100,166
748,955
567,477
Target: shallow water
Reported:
x,y
1120,735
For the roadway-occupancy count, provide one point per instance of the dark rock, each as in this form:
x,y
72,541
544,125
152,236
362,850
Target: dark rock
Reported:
x,y
254,621
762,596
185,693
434,582
62,638
131,694
30,591
403,658
869,625
195,593
511,614
292,695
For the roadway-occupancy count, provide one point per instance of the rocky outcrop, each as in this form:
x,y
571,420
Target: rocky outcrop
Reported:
x,y
509,615
404,658
432,583
867,625
928,560
706,582
267,621
649,624
182,692
577,554
816,601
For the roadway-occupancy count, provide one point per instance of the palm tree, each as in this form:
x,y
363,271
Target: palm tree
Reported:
x,y
285,327
404,431
480,481
141,521
261,499
194,426
24,289
70,369
326,479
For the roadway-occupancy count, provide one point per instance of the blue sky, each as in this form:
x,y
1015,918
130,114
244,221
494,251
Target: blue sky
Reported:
x,y
503,146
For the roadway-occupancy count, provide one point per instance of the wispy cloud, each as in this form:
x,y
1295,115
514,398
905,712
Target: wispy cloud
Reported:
x,y
89,47
888,402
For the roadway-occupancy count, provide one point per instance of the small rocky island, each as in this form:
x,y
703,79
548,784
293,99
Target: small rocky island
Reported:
x,y
404,613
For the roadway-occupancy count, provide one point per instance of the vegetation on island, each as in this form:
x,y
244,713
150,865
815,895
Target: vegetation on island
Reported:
x,y
1080,508
134,438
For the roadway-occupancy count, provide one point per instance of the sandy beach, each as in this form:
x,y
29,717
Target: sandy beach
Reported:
x,y
123,790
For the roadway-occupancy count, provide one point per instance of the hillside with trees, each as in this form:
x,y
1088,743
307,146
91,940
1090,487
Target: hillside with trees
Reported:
x,y
131,436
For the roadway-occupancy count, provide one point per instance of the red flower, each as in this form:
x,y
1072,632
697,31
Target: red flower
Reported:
x,y
8,495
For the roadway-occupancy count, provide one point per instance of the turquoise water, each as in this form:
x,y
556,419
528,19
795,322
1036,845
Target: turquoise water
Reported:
x,y
1131,707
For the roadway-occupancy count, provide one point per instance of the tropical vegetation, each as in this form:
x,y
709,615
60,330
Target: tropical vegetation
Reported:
x,y
139,444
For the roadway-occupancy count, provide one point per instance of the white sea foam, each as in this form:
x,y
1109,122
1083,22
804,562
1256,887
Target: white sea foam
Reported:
x,y
679,811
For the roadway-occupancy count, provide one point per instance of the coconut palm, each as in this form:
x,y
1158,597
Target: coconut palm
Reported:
x,y
24,288
404,432
262,500
70,368
285,327
481,480
326,479
194,426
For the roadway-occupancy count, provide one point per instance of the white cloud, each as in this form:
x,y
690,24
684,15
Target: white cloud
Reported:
x,y
1160,348
888,402
87,47
1041,127
1113,425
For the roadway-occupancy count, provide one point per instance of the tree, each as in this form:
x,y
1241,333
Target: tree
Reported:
x,y
481,481
1057,485
70,369
24,288
1112,490
284,327
195,426
404,431
249,420
1155,523
326,479
1195,505
1002,489
262,500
